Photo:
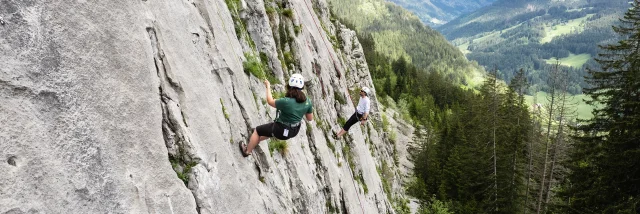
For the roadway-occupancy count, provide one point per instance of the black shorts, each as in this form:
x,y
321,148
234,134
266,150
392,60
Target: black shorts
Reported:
x,y
278,130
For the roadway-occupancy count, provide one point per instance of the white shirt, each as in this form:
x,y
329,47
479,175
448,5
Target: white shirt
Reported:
x,y
363,105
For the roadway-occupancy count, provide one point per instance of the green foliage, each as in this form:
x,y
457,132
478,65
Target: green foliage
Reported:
x,y
309,130
235,6
255,98
330,207
417,188
341,121
604,160
270,10
329,144
224,110
346,151
297,29
583,110
318,121
288,13
454,165
253,66
264,59
259,67
283,36
385,123
393,136
182,167
396,159
385,175
530,39
362,183
278,145
394,32
278,94
436,207
339,97
401,206
268,72
288,58
238,25
576,61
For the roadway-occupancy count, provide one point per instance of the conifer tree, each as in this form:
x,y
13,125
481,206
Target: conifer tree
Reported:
x,y
605,165
519,124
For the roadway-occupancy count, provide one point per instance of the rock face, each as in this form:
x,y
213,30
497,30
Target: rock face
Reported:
x,y
138,106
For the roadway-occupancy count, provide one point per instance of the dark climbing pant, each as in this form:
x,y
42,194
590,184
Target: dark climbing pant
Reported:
x,y
352,120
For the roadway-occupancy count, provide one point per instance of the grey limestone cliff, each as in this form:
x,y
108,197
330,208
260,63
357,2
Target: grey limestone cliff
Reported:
x,y
138,106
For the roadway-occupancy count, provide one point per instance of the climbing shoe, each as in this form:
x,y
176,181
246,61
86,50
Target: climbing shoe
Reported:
x,y
243,149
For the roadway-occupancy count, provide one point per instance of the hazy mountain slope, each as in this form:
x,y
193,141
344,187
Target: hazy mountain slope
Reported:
x,y
514,34
438,12
397,32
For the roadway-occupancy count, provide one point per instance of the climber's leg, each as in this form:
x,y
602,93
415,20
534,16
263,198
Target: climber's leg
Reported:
x,y
352,120
260,133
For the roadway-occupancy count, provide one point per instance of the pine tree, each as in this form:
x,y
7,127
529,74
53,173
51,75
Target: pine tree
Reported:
x,y
490,92
605,164
518,126
400,69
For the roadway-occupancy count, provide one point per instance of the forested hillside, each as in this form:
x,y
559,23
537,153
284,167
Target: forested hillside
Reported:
x,y
438,12
533,35
463,162
487,151
475,150
398,33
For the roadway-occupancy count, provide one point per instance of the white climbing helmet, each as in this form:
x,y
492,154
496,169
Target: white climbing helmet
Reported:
x,y
366,90
296,81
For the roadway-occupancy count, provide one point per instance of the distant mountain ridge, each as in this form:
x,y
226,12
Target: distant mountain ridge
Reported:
x,y
399,33
521,34
438,12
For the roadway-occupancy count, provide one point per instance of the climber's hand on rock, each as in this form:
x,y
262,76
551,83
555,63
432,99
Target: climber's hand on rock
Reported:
x,y
267,84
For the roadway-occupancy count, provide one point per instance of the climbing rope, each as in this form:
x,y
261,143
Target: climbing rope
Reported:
x,y
225,29
317,72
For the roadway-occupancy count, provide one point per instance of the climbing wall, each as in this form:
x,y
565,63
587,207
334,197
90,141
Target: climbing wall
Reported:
x,y
138,107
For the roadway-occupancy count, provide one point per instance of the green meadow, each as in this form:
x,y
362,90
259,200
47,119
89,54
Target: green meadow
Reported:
x,y
578,107
572,60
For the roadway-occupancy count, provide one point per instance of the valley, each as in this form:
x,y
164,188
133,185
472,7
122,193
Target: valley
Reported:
x,y
533,35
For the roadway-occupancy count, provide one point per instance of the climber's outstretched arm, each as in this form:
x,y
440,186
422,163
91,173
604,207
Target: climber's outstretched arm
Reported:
x,y
270,99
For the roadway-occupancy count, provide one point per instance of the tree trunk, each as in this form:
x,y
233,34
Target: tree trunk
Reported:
x,y
552,83
534,131
526,200
559,136
495,167
515,159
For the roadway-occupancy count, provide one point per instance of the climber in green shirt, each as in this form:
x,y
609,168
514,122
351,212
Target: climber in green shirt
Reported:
x,y
290,111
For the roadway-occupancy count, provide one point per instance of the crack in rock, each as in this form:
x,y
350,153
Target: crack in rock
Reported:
x,y
177,137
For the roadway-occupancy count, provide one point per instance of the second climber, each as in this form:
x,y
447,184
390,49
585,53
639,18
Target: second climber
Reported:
x,y
361,114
